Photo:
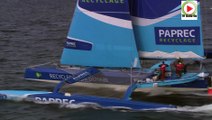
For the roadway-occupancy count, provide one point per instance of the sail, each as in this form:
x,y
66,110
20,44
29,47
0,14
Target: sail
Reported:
x,y
101,34
167,28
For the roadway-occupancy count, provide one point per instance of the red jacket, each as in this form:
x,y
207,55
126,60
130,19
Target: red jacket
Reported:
x,y
179,66
163,67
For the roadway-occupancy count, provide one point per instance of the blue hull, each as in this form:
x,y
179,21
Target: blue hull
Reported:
x,y
199,83
185,79
59,98
105,77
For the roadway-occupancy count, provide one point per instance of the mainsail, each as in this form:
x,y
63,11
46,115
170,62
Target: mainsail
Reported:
x,y
101,34
167,28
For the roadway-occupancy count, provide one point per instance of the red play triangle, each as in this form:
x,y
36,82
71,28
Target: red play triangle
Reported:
x,y
189,8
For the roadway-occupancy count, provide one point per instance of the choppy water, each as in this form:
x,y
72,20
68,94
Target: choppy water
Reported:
x,y
33,32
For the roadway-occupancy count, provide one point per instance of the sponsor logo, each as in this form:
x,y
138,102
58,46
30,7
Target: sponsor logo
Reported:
x,y
71,44
66,77
189,10
81,76
59,76
53,100
38,75
177,35
78,44
3,97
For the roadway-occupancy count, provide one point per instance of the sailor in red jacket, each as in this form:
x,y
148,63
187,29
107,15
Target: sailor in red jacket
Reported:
x,y
179,68
163,70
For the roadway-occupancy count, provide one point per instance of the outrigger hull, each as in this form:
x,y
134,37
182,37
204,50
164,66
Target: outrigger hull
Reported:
x,y
60,98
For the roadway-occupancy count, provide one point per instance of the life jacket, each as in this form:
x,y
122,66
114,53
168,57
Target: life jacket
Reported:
x,y
180,66
163,67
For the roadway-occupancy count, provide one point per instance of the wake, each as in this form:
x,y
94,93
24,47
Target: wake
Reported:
x,y
189,109
203,109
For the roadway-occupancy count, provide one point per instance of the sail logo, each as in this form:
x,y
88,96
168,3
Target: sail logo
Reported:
x,y
177,35
72,43
189,10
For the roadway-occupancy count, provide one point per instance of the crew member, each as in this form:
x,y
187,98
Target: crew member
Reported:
x,y
163,70
179,68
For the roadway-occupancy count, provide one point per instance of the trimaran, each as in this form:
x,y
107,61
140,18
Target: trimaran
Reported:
x,y
105,43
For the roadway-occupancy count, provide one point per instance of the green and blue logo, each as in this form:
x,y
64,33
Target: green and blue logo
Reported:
x,y
189,10
38,75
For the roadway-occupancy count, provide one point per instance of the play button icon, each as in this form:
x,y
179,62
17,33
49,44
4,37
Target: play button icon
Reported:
x,y
189,8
